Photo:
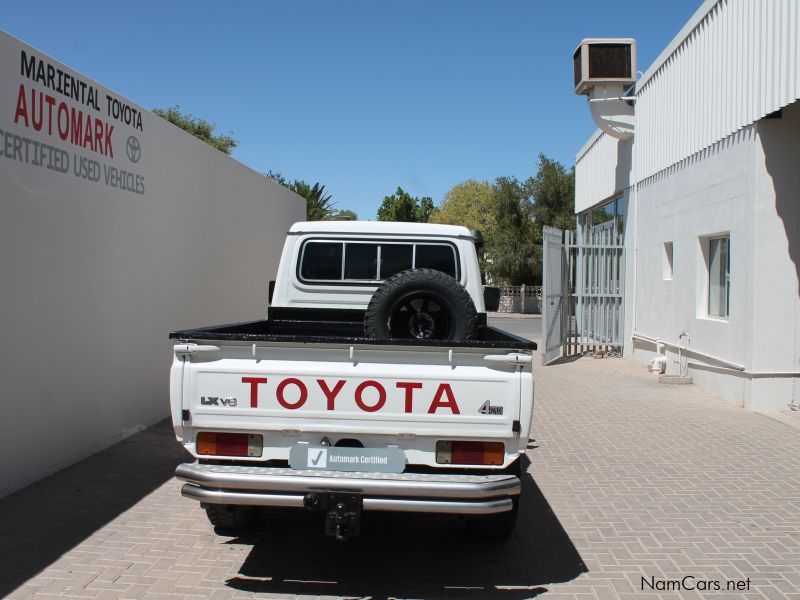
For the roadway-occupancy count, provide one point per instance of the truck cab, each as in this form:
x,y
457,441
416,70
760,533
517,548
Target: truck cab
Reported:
x,y
340,264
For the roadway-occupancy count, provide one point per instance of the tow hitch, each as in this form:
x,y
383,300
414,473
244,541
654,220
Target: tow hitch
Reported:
x,y
342,513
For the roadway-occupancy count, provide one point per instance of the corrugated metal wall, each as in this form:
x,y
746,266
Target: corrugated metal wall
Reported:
x,y
595,173
739,63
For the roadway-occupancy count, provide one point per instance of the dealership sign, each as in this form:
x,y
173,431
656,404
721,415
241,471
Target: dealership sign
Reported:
x,y
63,123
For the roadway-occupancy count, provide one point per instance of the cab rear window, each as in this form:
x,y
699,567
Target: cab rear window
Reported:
x,y
435,256
358,262
321,260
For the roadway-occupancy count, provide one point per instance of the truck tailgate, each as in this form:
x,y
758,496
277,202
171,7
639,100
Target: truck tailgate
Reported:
x,y
362,392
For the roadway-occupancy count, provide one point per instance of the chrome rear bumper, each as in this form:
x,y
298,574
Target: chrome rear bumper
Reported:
x,y
402,492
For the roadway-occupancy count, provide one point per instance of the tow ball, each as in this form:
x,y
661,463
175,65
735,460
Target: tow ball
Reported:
x,y
342,513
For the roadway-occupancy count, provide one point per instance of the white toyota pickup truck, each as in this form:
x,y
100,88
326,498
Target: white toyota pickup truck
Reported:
x,y
374,384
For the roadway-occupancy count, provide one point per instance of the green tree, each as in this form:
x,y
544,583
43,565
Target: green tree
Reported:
x,y
401,206
469,203
278,178
553,193
343,215
510,244
510,214
199,128
319,204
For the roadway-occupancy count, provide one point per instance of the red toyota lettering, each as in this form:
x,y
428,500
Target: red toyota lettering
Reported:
x,y
444,390
330,395
409,387
300,386
254,381
381,396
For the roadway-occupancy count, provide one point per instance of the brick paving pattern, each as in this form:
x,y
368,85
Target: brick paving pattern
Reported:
x,y
630,479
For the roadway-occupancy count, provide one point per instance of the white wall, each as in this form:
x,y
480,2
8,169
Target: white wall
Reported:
x,y
707,195
776,261
746,186
94,277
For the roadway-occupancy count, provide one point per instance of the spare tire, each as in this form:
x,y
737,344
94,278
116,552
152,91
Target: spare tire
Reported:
x,y
421,304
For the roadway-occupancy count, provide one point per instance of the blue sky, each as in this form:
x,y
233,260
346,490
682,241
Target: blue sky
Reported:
x,y
360,96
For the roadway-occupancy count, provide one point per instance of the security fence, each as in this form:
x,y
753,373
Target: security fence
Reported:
x,y
584,290
520,299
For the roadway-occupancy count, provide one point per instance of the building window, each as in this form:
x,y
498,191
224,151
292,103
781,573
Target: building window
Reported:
x,y
610,211
667,266
719,276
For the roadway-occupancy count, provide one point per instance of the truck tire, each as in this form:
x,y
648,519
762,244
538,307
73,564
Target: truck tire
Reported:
x,y
230,517
421,304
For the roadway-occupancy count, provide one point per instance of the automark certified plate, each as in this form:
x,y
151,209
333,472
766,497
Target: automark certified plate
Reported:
x,y
331,458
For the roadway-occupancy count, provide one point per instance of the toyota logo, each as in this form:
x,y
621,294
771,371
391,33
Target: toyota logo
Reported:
x,y
133,149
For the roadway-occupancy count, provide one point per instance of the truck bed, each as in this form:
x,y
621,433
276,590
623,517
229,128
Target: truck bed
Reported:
x,y
307,331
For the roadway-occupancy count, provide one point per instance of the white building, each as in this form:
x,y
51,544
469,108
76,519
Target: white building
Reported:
x,y
708,193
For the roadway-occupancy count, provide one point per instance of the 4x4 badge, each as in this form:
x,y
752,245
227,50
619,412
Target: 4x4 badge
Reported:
x,y
487,409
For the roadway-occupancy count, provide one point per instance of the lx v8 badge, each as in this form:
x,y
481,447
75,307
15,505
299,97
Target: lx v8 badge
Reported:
x,y
487,409
216,401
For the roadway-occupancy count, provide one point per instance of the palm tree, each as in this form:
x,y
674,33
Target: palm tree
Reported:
x,y
319,205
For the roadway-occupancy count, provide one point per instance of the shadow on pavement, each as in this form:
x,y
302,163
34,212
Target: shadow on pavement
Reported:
x,y
562,360
409,556
43,521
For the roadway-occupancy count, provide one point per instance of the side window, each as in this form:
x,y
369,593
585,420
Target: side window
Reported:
x,y
322,260
719,277
361,261
395,258
440,257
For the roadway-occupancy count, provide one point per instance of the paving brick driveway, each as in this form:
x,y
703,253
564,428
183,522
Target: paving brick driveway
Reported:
x,y
631,479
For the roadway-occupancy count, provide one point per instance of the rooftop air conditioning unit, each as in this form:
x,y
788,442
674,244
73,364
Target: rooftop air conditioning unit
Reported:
x,y
604,69
604,61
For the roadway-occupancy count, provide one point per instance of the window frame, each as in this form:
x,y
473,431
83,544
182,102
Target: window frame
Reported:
x,y
380,242
725,288
668,261
617,215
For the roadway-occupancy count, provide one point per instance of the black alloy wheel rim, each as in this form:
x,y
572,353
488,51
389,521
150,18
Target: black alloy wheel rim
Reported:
x,y
420,315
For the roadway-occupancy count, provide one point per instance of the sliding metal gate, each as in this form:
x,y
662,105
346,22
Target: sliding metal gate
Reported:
x,y
596,268
553,300
583,291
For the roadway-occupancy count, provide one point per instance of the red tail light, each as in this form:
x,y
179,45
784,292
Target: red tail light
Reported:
x,y
469,453
211,443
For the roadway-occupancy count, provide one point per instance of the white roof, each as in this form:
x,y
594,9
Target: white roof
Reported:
x,y
380,228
